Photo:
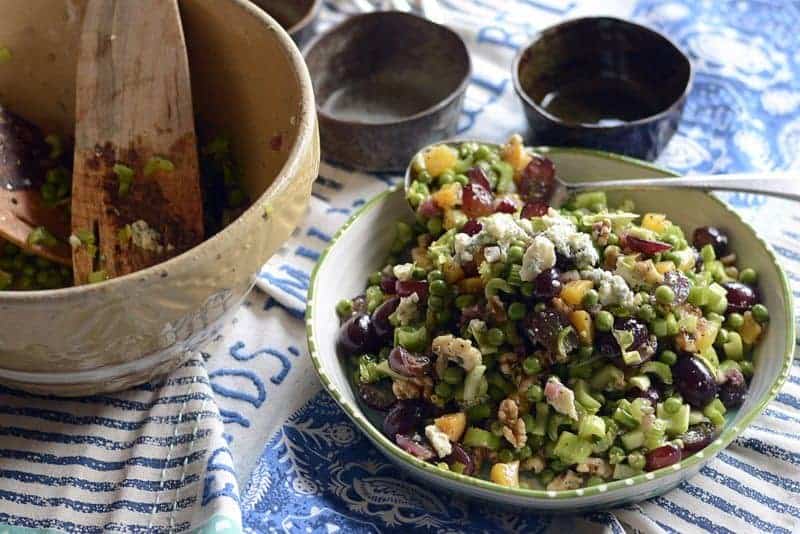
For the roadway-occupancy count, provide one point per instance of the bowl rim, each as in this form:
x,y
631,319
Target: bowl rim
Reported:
x,y
728,434
530,102
306,131
430,110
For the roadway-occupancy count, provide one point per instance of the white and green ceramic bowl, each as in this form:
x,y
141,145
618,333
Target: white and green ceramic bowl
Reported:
x,y
362,245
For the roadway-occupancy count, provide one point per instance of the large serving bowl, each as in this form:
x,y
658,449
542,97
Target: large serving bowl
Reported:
x,y
362,245
249,82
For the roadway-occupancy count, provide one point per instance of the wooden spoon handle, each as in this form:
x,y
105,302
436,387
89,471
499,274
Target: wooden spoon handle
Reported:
x,y
133,105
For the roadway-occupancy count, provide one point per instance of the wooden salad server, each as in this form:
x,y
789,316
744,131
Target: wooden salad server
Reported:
x,y
136,198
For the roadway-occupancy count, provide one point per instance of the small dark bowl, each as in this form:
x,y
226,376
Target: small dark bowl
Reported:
x,y
297,17
623,86
386,83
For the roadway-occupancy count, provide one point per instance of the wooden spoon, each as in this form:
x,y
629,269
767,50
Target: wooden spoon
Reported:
x,y
23,165
134,111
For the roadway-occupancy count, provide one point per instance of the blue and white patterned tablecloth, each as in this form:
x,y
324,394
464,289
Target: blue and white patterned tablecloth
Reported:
x,y
172,456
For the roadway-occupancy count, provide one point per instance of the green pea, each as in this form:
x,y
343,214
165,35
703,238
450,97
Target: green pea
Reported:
x,y
722,336
668,357
760,313
495,337
604,321
647,313
531,365
424,177
434,226
374,278
665,295
447,177
453,375
443,390
672,405
524,453
435,274
585,351
590,298
464,301
483,152
748,276
443,316
734,321
516,311
344,308
535,393
439,288
461,179
479,412
747,368
636,460
515,254
527,289
539,307
613,239
435,303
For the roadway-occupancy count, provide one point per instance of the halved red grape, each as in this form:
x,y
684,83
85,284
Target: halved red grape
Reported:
x,y
543,328
387,284
698,437
356,336
376,397
380,318
505,205
472,227
407,363
711,235
404,417
477,201
414,447
646,246
694,381
404,288
477,176
461,456
429,209
679,284
741,297
733,390
536,208
537,180
547,284
663,456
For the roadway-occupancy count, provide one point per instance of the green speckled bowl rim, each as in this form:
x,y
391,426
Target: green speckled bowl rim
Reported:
x,y
728,434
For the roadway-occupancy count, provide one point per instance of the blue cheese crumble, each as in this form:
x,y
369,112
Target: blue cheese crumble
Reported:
x,y
612,289
540,256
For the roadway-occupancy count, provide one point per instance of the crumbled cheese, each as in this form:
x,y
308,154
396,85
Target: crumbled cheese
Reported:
x,y
457,349
406,311
503,229
462,244
74,241
540,256
569,241
492,254
403,271
560,397
612,289
439,441
145,237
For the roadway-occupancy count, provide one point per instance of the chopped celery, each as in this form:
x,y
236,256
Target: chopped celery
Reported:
x,y
571,449
641,382
733,348
505,180
591,426
623,416
542,416
608,378
660,369
583,397
592,198
623,471
413,339
632,440
477,437
654,436
616,455
555,422
676,423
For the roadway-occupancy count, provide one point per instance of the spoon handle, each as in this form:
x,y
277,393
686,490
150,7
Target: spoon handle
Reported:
x,y
778,184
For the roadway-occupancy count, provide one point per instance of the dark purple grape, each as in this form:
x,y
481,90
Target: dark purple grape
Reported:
x,y
711,235
697,437
388,284
662,457
679,284
472,227
477,201
741,297
698,261
461,456
547,284
356,336
693,381
543,328
564,263
404,288
537,180
377,397
478,176
650,394
646,246
403,418
733,390
607,345
537,208
380,318
505,205
407,363
641,335
414,447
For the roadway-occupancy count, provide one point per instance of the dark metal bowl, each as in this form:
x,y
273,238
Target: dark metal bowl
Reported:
x,y
297,17
613,51
386,83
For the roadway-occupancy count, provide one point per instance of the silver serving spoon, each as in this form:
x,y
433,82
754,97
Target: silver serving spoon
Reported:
x,y
779,184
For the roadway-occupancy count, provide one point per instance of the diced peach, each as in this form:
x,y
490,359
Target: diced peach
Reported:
x,y
440,159
750,330
514,153
657,222
706,334
448,197
505,474
452,424
420,257
471,285
573,292
664,267
582,322
453,272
